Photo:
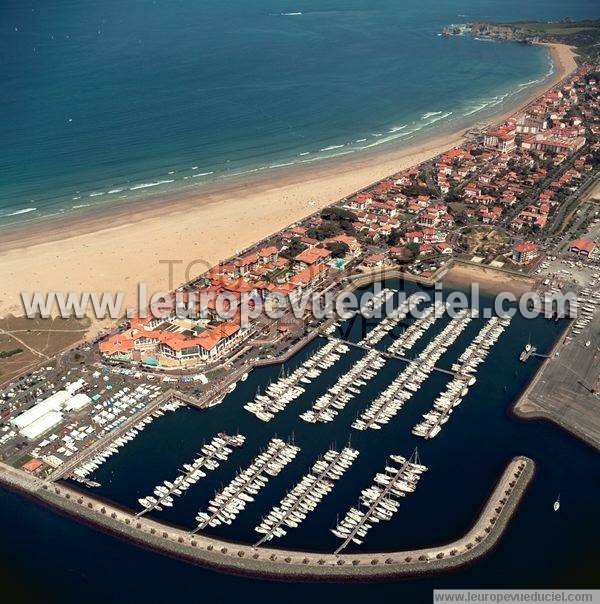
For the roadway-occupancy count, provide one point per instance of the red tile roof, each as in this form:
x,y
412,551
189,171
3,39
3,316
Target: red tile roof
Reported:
x,y
312,256
584,245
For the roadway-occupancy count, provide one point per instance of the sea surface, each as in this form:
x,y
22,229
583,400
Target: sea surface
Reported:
x,y
45,554
108,101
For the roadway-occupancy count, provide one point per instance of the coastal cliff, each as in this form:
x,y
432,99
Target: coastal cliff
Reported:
x,y
584,35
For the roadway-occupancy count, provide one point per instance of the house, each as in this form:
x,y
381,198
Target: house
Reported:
x,y
359,202
554,143
428,219
374,260
207,345
312,256
387,208
119,345
489,216
472,191
294,233
352,243
443,248
525,252
530,124
414,236
309,276
431,235
268,254
534,216
246,263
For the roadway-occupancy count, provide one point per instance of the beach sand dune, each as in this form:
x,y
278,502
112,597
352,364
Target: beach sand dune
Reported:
x,y
114,249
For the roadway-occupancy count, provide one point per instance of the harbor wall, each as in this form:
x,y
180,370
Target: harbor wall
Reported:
x,y
282,564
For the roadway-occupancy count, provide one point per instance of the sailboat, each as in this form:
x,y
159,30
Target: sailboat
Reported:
x,y
557,504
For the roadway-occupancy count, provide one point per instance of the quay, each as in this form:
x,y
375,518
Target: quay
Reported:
x,y
281,564
564,390
529,352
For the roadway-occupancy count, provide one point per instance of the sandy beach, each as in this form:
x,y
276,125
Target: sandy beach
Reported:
x,y
112,249
489,280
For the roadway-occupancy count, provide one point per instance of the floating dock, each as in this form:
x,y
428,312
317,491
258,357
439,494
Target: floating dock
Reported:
x,y
227,504
381,500
307,494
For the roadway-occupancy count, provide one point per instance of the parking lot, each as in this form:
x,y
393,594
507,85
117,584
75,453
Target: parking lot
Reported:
x,y
116,394
566,389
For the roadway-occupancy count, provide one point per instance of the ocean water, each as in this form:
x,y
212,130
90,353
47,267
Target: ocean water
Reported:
x,y
47,556
108,101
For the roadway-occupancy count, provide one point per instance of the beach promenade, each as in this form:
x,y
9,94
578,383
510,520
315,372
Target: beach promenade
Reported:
x,y
281,564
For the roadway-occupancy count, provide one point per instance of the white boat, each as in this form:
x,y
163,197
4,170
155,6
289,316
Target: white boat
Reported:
x,y
556,505
215,402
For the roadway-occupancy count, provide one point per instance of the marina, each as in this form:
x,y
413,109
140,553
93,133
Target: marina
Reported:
x,y
289,387
412,334
239,423
378,301
390,321
392,399
232,500
458,388
306,495
86,468
217,450
327,406
380,499
220,497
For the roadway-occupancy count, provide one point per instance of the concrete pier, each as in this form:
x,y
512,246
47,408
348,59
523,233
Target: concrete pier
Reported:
x,y
385,353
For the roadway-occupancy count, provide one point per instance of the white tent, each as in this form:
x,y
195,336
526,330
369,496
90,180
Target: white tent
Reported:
x,y
74,387
54,402
79,401
42,425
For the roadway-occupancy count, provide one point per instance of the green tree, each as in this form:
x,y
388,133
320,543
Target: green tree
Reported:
x,y
338,249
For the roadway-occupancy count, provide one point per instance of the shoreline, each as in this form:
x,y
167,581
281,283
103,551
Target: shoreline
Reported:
x,y
107,248
280,564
